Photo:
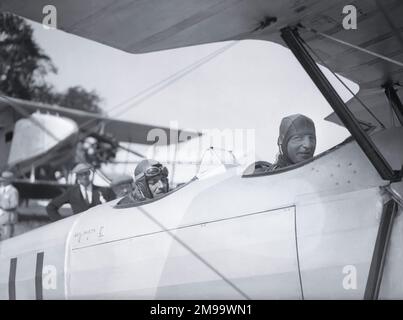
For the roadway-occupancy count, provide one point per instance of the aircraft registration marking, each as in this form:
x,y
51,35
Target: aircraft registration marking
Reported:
x,y
12,293
38,276
11,279
89,234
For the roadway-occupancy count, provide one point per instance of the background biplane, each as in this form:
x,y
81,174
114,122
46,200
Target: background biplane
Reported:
x,y
295,233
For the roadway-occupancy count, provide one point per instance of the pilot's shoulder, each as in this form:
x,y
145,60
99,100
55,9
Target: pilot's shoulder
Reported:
x,y
259,167
130,199
265,168
126,200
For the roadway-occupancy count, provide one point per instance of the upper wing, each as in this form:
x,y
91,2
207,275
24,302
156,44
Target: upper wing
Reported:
x,y
121,130
144,26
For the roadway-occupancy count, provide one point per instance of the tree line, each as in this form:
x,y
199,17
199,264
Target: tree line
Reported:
x,y
24,67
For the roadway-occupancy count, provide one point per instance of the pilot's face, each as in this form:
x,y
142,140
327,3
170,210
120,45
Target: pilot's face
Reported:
x,y
301,147
123,189
83,178
157,185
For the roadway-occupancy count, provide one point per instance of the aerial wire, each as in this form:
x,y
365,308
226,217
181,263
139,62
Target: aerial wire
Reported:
x,y
150,91
341,81
194,253
162,84
154,89
378,55
176,76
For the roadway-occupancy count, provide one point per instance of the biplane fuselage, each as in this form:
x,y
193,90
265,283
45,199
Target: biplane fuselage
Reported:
x,y
306,232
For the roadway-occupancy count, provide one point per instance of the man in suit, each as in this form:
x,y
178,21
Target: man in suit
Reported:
x,y
81,197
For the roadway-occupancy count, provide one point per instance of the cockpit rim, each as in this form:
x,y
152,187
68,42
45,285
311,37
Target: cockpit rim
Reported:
x,y
300,164
145,202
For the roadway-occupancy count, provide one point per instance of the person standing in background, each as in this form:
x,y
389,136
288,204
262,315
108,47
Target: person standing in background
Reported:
x,y
9,199
82,196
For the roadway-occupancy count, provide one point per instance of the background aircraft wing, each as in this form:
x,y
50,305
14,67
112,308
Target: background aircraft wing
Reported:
x,y
123,131
39,189
145,26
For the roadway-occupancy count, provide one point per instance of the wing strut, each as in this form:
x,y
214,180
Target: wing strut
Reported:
x,y
380,250
292,38
394,102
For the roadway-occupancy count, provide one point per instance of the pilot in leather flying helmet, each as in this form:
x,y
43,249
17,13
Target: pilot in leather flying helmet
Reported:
x,y
151,178
151,181
296,141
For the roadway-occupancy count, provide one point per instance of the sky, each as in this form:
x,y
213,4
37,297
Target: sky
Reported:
x,y
246,89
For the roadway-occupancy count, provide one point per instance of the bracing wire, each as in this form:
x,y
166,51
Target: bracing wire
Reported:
x,y
194,253
148,92
159,86
342,82
378,55
162,84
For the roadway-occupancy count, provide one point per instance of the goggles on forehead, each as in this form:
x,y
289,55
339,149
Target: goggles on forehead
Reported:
x,y
156,170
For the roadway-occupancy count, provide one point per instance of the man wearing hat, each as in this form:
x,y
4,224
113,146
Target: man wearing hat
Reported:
x,y
8,205
151,181
81,197
122,185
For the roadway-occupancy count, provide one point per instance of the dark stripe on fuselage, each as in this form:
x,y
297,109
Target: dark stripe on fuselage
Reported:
x,y
38,276
11,279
